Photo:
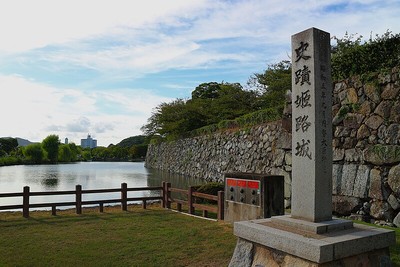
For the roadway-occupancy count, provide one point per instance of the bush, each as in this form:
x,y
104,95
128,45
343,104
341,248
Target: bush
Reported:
x,y
351,56
7,161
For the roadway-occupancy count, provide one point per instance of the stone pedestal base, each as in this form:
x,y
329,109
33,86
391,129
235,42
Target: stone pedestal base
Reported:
x,y
282,241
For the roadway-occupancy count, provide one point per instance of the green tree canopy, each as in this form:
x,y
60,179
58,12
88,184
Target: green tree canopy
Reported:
x,y
65,153
51,144
210,103
272,84
8,144
34,153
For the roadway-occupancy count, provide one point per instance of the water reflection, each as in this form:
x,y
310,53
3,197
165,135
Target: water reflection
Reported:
x,y
156,177
50,183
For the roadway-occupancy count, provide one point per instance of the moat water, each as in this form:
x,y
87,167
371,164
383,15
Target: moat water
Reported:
x,y
90,175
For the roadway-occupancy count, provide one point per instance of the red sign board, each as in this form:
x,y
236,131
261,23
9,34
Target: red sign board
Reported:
x,y
241,183
253,184
231,182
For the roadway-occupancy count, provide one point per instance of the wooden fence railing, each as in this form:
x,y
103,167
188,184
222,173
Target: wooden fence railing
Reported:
x,y
78,203
191,196
165,197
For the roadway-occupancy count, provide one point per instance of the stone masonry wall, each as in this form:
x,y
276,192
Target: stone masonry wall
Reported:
x,y
366,149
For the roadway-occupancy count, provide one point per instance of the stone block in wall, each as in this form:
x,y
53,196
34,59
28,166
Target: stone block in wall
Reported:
x,y
338,154
392,134
384,108
365,108
382,154
372,93
391,91
361,182
394,179
336,178
345,205
343,97
288,158
363,132
349,173
338,87
393,202
284,140
396,220
341,131
375,185
279,156
352,96
353,120
395,112
353,155
381,210
374,122
349,142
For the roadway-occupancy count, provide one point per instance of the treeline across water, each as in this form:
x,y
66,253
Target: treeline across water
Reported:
x,y
51,151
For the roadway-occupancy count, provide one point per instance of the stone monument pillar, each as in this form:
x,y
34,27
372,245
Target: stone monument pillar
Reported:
x,y
311,126
310,236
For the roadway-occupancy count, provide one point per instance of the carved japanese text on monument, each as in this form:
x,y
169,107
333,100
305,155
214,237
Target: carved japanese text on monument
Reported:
x,y
302,99
324,120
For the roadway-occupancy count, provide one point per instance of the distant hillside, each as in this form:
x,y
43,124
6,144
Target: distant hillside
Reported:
x,y
133,140
23,142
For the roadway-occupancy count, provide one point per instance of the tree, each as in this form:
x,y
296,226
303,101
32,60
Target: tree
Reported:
x,y
34,153
133,140
65,153
272,84
138,151
8,144
210,103
206,91
174,119
51,144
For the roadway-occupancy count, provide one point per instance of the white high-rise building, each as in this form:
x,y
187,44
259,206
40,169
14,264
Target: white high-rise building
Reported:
x,y
88,142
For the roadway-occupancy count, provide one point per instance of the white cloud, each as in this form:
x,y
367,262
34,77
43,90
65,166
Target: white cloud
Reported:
x,y
27,25
33,111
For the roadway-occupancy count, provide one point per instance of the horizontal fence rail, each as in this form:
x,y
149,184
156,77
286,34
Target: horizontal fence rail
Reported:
x,y
191,196
165,196
78,203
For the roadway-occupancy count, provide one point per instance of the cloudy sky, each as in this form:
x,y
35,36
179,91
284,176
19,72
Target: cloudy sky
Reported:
x,y
76,67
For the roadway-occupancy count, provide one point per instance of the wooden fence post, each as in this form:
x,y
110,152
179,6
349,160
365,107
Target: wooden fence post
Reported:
x,y
25,202
53,210
163,194
124,196
221,207
78,199
190,200
168,186
101,207
144,204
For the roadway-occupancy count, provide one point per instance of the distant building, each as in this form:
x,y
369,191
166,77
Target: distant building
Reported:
x,y
88,142
66,141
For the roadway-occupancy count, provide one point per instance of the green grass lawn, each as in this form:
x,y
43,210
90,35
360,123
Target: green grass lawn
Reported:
x,y
152,237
